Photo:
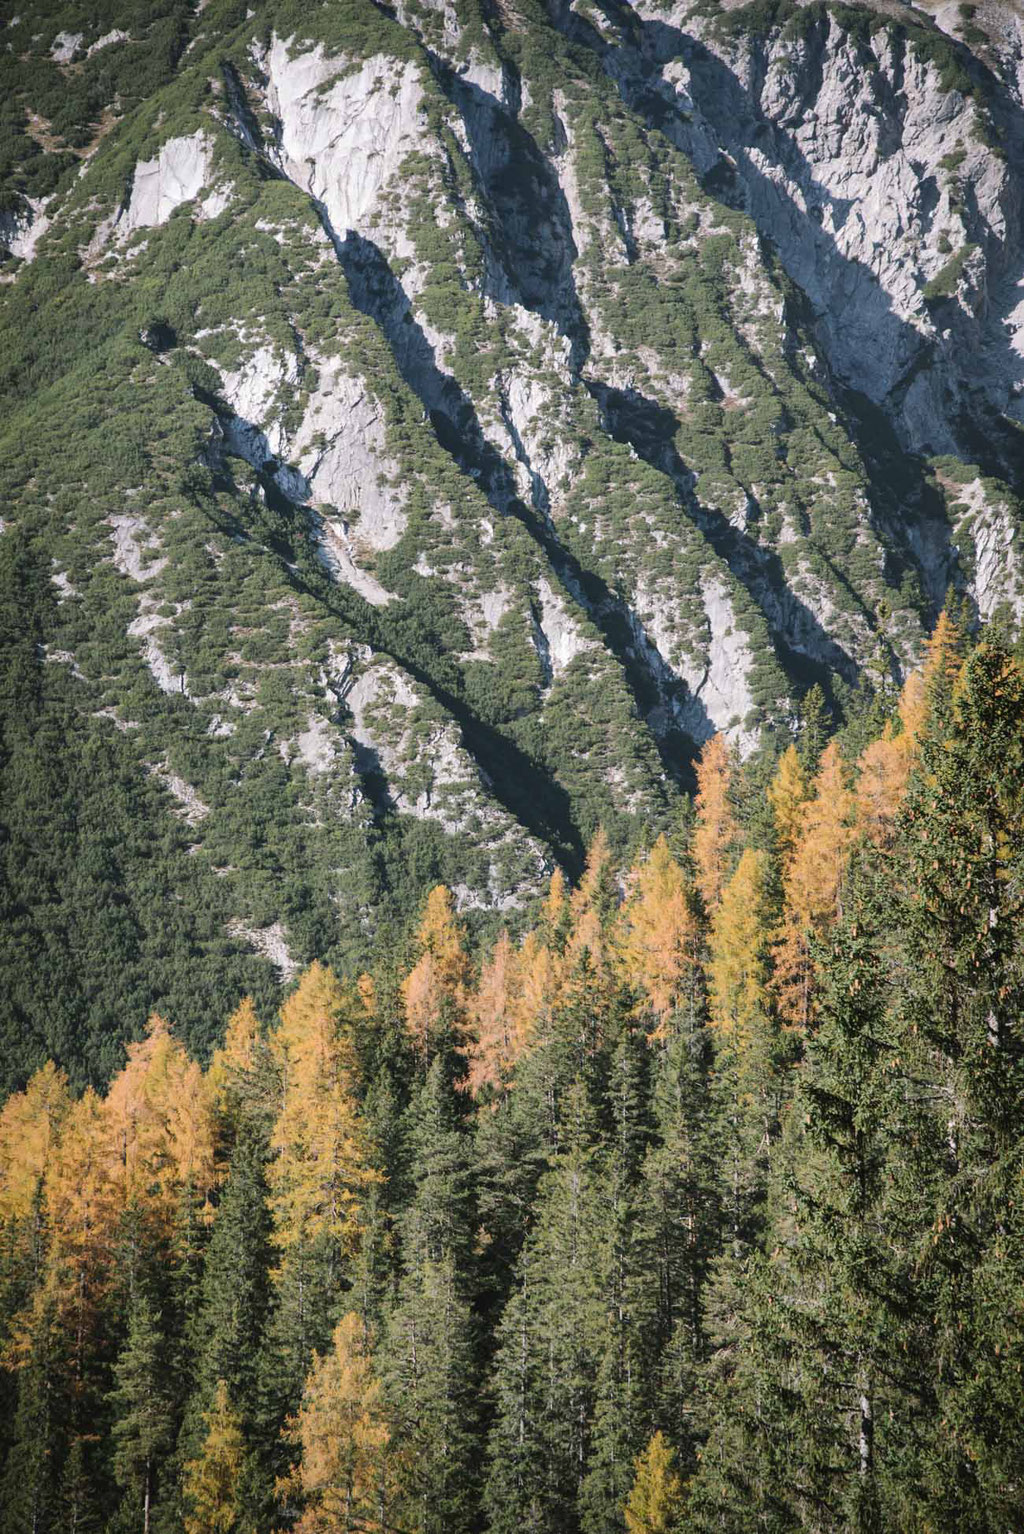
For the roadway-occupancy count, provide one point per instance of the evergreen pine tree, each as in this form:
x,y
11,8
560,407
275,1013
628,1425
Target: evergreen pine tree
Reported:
x,y
545,1373
961,951
29,1497
142,1399
429,1357
624,1395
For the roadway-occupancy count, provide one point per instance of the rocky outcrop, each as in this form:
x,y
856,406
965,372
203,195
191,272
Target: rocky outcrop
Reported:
x,y
344,130
519,404
22,228
884,190
176,175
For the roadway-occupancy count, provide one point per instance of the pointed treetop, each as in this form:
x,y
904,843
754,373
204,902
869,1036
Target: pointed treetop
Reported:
x,y
242,1039
943,655
659,932
29,1124
555,901
439,933
318,996
814,726
716,827
593,901
593,886
787,792
211,1480
656,1500
496,1044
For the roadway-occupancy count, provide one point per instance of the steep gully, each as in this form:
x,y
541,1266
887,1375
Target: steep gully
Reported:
x,y
720,137
644,424
376,292
550,292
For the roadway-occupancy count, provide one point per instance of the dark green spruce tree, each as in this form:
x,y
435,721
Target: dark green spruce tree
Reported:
x,y
429,1352
962,978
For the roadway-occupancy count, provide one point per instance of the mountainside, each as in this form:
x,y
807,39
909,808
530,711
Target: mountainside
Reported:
x,y
695,1209
426,425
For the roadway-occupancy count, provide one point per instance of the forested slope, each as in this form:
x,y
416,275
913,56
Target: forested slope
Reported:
x,y
697,1207
426,425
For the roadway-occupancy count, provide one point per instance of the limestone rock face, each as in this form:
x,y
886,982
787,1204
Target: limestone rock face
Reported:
x,y
344,131
176,175
457,415
872,178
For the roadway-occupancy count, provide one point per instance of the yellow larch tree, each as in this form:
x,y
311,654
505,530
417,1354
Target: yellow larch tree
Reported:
x,y
813,882
497,1034
943,658
340,1430
211,1479
320,1171
886,764
555,912
240,1071
656,1500
716,829
161,1130
540,976
84,1206
787,794
434,993
30,1123
592,905
738,967
657,942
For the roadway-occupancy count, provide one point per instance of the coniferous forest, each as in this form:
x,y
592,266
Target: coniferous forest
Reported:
x,y
696,1205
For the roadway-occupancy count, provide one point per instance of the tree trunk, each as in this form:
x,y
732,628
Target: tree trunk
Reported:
x,y
867,1432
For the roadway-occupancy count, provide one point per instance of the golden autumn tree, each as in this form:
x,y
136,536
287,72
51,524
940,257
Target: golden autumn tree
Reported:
x,y
161,1127
83,1209
496,1035
787,794
161,1130
211,1479
539,971
883,769
434,992
340,1430
592,904
320,1171
885,765
30,1123
657,945
943,658
241,1079
518,989
716,828
738,967
813,882
555,913
656,1499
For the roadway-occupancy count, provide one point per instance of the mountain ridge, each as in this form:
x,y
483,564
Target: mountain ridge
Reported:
x,y
439,421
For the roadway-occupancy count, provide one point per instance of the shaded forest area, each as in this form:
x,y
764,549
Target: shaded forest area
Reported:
x,y
698,1207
